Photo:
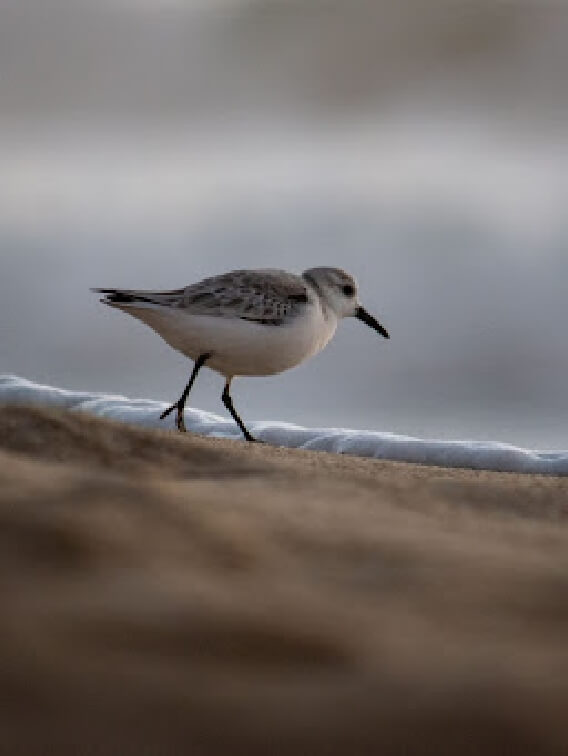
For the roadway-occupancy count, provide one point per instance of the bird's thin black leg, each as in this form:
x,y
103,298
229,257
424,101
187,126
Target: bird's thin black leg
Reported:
x,y
228,402
180,404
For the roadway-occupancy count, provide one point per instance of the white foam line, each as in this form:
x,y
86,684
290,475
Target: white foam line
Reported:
x,y
379,445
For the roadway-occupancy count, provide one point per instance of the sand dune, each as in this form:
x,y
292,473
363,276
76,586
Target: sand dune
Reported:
x,y
169,594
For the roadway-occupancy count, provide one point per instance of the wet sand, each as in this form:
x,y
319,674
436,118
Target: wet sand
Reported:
x,y
173,594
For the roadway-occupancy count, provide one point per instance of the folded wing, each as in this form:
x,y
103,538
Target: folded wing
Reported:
x,y
266,297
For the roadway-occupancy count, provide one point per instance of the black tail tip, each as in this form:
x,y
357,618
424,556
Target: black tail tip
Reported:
x,y
114,296
118,297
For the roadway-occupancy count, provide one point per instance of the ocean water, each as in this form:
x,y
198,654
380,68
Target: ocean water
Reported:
x,y
152,144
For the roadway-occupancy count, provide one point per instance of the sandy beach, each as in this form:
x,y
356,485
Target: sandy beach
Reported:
x,y
173,594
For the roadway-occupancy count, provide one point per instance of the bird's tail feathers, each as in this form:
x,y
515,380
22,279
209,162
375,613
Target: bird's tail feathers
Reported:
x,y
135,298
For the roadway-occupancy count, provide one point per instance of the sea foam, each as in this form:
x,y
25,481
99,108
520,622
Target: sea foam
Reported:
x,y
377,444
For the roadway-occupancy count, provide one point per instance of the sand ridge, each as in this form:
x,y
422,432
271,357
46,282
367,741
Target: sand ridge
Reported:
x,y
175,594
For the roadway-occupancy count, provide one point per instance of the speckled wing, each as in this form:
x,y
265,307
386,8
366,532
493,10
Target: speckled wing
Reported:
x,y
267,297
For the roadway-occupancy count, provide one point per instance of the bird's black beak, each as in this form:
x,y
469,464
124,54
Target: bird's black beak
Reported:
x,y
363,315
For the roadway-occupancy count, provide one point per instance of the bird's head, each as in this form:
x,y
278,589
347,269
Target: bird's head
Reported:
x,y
338,290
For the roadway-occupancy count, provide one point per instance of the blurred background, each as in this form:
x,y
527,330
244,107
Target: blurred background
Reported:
x,y
422,145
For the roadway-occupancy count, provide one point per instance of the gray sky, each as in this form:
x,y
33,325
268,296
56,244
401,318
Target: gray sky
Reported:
x,y
421,148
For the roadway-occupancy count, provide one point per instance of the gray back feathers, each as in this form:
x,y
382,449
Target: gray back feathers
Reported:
x,y
263,296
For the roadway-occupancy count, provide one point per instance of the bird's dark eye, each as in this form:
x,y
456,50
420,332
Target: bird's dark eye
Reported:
x,y
348,290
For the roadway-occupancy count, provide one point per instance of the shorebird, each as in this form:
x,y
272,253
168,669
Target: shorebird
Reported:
x,y
246,322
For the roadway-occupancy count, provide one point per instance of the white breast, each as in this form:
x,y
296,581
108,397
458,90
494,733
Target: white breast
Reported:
x,y
242,347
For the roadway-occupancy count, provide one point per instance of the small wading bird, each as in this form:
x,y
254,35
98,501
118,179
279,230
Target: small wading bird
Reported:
x,y
246,322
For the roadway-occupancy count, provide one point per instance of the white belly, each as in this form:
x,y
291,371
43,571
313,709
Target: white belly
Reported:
x,y
241,347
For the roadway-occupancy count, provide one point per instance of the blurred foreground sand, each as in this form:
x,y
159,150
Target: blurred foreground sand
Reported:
x,y
168,594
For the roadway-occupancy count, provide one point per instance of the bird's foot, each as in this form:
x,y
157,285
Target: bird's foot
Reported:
x,y
180,424
180,421
166,412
